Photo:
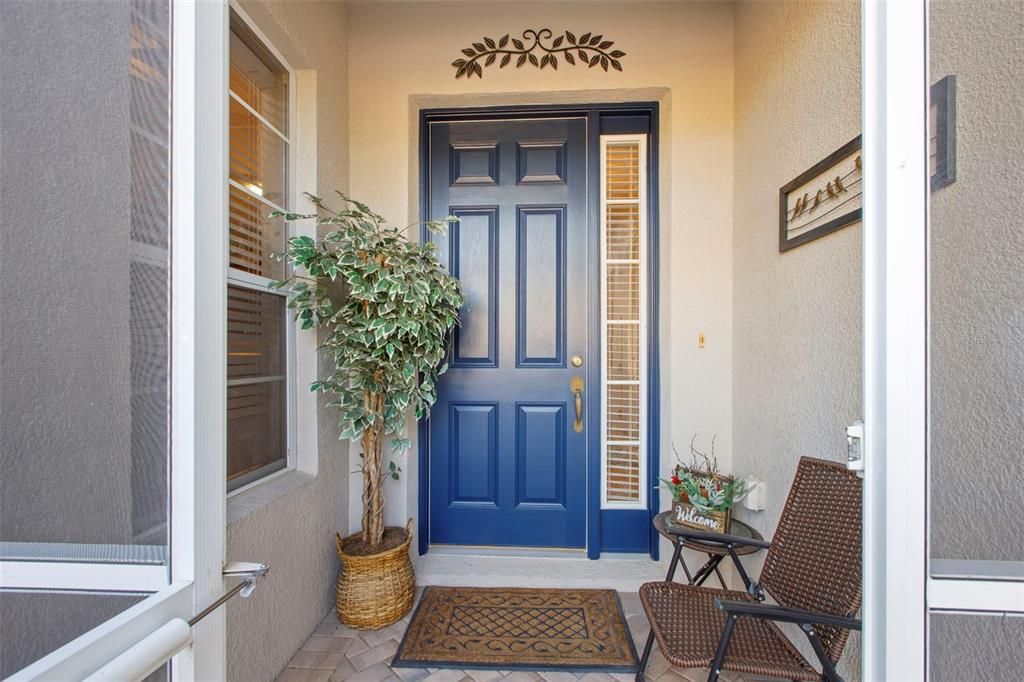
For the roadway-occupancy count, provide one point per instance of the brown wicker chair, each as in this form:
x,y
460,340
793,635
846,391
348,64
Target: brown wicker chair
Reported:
x,y
812,569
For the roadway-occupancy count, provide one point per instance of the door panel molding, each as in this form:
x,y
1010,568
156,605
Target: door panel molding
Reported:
x,y
530,435
533,293
459,233
487,484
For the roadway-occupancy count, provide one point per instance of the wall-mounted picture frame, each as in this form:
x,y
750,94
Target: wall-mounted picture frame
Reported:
x,y
942,132
824,198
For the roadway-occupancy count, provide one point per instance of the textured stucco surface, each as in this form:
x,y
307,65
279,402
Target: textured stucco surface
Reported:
x,y
973,647
678,53
977,287
797,316
294,533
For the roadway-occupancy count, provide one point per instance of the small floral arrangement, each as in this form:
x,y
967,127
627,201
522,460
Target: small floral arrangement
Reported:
x,y
700,484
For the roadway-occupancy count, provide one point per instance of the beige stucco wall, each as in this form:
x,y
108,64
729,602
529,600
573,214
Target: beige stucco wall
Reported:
x,y
797,315
291,525
678,53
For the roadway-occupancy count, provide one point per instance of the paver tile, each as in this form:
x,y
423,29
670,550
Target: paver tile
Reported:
x,y
374,655
445,675
484,675
343,671
304,675
375,673
327,660
340,645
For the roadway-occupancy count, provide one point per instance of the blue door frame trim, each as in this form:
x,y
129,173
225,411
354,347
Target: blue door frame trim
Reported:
x,y
593,114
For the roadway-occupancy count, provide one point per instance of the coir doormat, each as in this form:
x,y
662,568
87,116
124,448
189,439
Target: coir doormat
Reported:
x,y
509,629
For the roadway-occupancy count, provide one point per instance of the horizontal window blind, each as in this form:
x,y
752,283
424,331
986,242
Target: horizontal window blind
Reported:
x,y
623,321
258,397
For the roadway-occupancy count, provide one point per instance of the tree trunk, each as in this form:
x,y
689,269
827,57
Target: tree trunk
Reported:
x,y
373,487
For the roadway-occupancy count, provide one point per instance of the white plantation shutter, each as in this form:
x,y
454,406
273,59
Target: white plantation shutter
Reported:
x,y
623,321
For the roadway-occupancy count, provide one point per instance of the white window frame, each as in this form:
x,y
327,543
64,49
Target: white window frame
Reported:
x,y
642,141
260,284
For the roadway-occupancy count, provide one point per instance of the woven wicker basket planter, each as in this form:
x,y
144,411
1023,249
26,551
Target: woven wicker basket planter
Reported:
x,y
375,590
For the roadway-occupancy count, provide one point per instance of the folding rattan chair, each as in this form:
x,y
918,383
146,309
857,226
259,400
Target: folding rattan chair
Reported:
x,y
812,569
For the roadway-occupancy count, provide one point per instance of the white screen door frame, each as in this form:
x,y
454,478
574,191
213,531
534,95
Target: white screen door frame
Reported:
x,y
901,586
199,157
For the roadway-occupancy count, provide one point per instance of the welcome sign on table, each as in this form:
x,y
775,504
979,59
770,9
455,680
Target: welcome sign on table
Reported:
x,y
685,514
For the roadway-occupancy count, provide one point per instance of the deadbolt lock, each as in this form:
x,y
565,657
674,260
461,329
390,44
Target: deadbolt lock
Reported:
x,y
576,361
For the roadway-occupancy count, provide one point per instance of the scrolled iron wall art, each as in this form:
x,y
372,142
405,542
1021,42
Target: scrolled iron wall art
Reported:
x,y
590,49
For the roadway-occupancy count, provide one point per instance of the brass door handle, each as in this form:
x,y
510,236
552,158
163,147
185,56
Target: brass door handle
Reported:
x,y
576,386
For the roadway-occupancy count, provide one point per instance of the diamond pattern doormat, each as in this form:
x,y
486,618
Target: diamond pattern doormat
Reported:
x,y
524,629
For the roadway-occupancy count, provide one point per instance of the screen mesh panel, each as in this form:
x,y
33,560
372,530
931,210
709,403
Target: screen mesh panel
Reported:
x,y
256,326
85,246
84,249
257,393
623,319
45,621
975,285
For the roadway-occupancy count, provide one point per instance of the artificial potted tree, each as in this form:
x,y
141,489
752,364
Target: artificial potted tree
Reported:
x,y
384,307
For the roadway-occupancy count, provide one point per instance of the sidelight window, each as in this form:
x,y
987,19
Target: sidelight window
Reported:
x,y
624,321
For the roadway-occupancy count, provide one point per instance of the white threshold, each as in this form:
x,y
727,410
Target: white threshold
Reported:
x,y
537,568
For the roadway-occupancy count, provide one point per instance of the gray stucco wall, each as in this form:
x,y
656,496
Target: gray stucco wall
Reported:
x,y
977,287
797,316
294,532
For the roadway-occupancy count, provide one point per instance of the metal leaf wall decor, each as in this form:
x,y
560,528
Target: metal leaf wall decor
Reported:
x,y
590,49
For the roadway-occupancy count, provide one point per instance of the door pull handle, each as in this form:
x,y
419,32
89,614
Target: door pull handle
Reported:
x,y
576,386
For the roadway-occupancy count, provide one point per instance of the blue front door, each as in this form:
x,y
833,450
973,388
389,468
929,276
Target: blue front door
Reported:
x,y
508,459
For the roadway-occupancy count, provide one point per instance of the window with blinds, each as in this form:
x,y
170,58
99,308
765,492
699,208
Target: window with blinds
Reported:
x,y
623,321
259,99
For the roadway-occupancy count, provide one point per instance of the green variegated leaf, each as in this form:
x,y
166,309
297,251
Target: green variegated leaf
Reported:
x,y
388,332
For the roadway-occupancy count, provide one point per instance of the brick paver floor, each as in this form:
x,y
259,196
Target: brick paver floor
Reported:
x,y
336,652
